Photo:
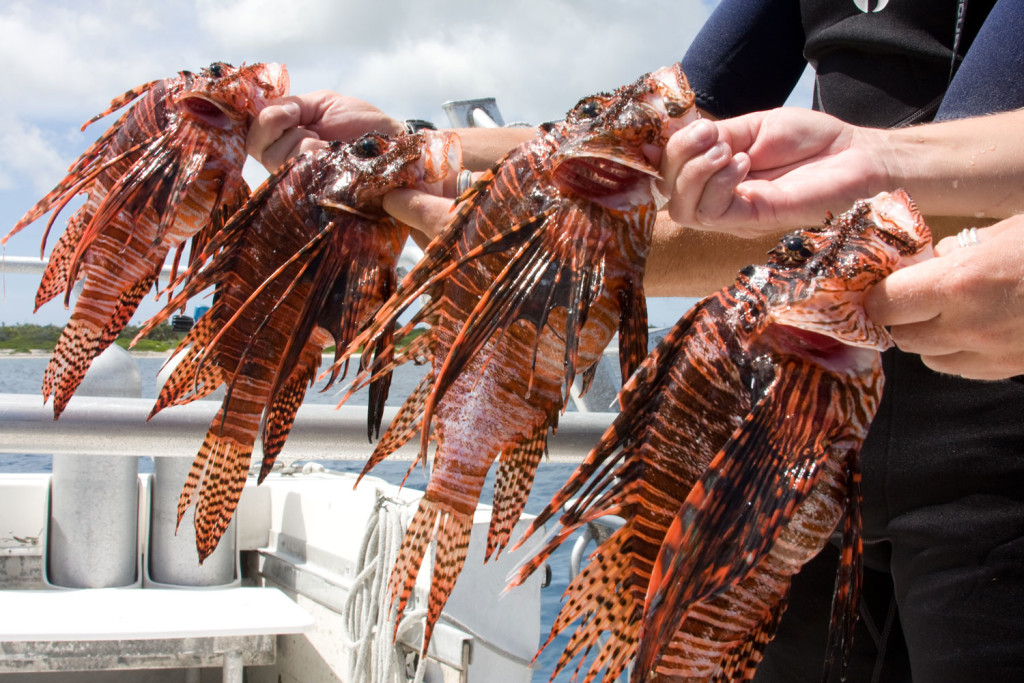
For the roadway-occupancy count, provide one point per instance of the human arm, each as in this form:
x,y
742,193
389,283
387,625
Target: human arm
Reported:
x,y
300,122
770,170
962,311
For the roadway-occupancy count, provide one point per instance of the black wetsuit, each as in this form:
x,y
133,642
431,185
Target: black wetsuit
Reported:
x,y
943,464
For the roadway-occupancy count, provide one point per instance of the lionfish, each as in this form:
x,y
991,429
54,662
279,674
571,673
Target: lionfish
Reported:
x,y
540,266
734,458
301,266
168,170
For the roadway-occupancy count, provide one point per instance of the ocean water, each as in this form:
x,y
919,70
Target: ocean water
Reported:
x,y
23,375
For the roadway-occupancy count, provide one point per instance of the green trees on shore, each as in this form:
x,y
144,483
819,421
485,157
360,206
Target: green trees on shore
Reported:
x,y
25,338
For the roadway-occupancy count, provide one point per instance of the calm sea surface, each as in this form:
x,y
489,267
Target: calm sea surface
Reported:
x,y
24,376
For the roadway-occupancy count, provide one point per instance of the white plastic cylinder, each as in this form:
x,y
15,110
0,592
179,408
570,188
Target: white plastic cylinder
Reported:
x,y
94,504
173,558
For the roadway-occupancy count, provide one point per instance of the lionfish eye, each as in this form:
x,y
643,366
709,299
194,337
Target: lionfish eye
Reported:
x,y
674,109
368,147
216,69
794,249
590,109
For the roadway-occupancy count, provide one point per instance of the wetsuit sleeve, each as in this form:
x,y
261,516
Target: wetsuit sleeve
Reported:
x,y
747,57
988,80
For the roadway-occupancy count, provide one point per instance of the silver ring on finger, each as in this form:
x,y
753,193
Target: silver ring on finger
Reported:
x,y
463,181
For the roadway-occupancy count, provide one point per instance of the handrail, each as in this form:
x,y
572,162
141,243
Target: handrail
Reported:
x,y
118,426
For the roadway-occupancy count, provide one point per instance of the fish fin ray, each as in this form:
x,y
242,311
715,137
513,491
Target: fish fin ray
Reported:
x,y
732,517
512,483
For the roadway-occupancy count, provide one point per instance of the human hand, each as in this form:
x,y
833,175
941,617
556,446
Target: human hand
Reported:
x,y
767,171
297,123
427,214
962,311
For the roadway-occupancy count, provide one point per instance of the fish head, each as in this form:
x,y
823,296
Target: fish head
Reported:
x,y
226,97
818,277
610,145
369,167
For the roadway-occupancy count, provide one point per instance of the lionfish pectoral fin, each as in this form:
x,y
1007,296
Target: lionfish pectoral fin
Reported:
x,y
280,416
632,329
516,469
734,514
403,427
849,578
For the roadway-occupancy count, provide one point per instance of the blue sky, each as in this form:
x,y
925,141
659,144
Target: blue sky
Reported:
x,y
64,60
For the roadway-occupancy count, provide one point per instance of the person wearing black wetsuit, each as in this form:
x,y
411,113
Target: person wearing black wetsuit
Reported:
x,y
943,464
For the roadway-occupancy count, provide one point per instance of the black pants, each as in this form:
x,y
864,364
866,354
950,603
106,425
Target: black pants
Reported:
x,y
943,470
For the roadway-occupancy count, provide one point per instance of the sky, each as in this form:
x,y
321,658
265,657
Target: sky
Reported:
x,y
64,60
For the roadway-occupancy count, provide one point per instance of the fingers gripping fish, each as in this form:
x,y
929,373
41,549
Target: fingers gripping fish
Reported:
x,y
734,458
540,266
168,170
301,266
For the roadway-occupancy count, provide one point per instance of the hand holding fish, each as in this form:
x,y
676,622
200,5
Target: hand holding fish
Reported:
x,y
292,125
767,171
964,310
771,170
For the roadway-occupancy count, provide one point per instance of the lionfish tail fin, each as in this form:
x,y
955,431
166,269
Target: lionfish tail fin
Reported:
x,y
452,530
215,485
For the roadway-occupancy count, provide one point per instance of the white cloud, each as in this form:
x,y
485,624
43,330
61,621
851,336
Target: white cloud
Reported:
x,y
64,60
28,156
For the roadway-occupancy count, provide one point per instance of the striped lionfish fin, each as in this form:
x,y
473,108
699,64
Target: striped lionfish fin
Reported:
x,y
280,415
451,529
214,485
191,379
81,341
849,578
55,275
406,424
512,484
609,619
632,329
732,517
740,663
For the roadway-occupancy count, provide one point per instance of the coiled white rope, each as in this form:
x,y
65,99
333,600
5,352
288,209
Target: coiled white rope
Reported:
x,y
366,619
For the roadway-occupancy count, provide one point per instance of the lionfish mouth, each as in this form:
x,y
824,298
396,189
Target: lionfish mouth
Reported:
x,y
205,110
595,177
598,171
823,348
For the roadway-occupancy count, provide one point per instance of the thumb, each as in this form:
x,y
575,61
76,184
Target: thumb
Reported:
x,y
909,295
